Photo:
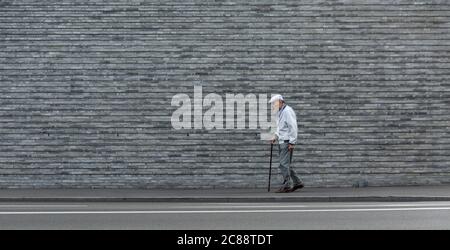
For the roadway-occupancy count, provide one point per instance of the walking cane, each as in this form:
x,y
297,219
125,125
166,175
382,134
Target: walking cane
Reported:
x,y
270,167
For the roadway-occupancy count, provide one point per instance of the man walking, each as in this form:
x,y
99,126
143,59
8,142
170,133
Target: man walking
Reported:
x,y
286,134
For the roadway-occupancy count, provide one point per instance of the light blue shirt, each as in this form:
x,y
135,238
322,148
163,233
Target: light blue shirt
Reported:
x,y
286,125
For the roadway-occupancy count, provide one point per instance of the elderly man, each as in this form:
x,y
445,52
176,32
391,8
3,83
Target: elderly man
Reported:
x,y
286,134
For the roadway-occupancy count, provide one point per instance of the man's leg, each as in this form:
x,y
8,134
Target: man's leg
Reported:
x,y
284,165
295,177
297,182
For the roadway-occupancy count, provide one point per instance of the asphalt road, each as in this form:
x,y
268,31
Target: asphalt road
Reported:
x,y
225,216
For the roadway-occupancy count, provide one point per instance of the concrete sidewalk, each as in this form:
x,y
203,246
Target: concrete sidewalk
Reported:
x,y
405,193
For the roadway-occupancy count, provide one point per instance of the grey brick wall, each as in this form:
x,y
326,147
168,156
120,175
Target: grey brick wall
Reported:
x,y
86,87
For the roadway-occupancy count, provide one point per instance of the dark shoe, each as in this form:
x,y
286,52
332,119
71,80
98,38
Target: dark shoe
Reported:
x,y
297,186
283,190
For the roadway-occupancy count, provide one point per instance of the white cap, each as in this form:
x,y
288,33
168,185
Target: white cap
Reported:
x,y
276,98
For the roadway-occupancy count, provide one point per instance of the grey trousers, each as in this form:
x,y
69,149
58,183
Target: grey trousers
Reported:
x,y
290,177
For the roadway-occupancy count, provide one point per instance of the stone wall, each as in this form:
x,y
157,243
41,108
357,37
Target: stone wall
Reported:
x,y
86,90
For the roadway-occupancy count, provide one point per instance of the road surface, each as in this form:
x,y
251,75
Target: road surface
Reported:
x,y
225,216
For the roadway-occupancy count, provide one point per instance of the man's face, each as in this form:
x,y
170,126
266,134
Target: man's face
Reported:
x,y
276,105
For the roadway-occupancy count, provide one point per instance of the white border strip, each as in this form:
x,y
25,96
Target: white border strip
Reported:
x,y
222,211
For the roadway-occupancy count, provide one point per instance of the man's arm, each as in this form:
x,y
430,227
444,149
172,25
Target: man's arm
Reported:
x,y
291,120
276,133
